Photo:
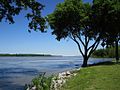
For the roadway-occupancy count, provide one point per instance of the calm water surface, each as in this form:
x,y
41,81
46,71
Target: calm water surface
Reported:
x,y
15,72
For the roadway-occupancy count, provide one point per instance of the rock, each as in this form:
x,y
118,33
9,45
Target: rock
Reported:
x,y
28,88
68,73
58,81
34,88
78,69
74,74
64,81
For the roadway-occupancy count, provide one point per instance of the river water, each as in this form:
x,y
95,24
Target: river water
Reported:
x,y
15,72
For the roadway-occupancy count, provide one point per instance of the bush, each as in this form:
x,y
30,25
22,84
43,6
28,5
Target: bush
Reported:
x,y
107,52
41,82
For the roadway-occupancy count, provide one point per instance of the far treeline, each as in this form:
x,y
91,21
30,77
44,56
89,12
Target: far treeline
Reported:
x,y
87,24
21,55
105,53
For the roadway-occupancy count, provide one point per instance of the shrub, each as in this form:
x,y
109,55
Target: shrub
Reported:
x,y
41,82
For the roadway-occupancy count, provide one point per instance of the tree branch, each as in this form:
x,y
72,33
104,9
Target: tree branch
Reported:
x,y
74,39
81,40
94,43
93,49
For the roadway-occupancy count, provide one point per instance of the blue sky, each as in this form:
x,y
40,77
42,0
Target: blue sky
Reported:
x,y
14,38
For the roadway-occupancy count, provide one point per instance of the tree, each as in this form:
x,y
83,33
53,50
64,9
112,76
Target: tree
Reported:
x,y
115,13
10,8
107,19
72,19
106,52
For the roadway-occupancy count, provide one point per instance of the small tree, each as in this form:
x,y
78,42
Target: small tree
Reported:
x,y
72,19
10,8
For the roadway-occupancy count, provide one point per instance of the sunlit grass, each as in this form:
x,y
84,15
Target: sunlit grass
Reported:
x,y
99,77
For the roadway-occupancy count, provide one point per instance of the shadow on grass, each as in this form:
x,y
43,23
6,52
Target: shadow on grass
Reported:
x,y
104,63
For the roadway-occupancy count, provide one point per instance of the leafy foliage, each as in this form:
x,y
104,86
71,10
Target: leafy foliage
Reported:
x,y
41,82
108,52
106,19
69,18
10,8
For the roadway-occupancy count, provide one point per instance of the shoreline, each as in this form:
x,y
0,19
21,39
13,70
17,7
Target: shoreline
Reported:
x,y
62,77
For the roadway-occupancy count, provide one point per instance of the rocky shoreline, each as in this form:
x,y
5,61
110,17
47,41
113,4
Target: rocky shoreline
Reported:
x,y
58,80
61,78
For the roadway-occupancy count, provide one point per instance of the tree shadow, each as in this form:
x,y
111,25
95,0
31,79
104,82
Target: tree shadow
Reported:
x,y
104,63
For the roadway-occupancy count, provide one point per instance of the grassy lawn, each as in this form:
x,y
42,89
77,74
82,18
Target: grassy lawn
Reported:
x,y
100,77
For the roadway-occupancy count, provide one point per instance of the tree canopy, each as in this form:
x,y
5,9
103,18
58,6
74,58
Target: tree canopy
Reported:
x,y
11,8
107,14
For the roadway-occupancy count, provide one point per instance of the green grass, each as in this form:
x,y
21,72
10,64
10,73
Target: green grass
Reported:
x,y
99,77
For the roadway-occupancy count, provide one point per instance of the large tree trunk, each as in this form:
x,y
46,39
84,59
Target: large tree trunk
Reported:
x,y
116,51
85,59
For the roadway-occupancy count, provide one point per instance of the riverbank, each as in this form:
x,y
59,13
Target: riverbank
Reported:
x,y
74,79
103,76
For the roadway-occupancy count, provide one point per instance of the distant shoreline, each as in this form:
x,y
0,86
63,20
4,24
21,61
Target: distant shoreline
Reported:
x,y
22,55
